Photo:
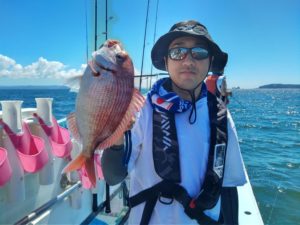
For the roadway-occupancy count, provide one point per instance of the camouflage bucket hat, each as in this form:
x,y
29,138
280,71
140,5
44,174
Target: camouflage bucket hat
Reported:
x,y
188,28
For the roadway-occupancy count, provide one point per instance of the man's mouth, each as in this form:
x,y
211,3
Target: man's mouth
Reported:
x,y
188,71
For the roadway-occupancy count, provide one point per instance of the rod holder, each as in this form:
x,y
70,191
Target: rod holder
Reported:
x,y
11,114
44,109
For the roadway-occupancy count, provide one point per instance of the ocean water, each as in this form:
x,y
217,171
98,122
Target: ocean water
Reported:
x,y
63,99
268,126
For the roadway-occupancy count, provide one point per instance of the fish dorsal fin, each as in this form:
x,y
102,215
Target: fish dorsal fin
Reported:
x,y
74,82
135,105
72,126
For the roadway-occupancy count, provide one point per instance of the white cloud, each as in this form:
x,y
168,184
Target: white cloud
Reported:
x,y
42,68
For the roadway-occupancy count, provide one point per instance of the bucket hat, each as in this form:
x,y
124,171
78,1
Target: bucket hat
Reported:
x,y
187,28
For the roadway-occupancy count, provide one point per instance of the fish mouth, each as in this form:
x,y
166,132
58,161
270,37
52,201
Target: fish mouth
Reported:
x,y
97,73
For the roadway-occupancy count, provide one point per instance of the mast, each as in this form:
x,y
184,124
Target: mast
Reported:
x,y
107,188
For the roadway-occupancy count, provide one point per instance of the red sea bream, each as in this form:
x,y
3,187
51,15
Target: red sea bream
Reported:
x,y
105,104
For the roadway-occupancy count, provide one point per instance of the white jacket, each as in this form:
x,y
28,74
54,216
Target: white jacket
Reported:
x,y
193,140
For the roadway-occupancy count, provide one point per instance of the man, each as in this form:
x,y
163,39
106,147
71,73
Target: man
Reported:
x,y
185,160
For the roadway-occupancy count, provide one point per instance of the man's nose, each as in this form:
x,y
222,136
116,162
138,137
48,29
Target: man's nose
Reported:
x,y
189,59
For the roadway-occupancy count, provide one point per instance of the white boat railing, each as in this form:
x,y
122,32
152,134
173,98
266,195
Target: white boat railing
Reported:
x,y
39,211
37,215
43,212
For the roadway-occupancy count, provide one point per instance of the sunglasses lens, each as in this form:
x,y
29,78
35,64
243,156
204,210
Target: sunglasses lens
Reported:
x,y
178,53
197,53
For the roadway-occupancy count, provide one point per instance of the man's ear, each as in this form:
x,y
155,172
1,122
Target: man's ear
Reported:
x,y
166,62
211,62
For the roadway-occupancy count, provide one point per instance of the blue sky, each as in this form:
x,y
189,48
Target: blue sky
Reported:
x,y
43,42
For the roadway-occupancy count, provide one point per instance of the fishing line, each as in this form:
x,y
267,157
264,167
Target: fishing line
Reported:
x,y
238,102
274,203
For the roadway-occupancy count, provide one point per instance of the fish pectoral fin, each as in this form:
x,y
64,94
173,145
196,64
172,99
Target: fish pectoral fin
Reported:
x,y
135,106
75,164
72,126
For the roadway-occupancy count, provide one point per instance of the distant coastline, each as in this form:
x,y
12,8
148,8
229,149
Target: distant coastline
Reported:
x,y
35,87
61,87
280,86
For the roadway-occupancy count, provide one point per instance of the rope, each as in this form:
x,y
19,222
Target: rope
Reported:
x,y
106,21
145,33
96,32
154,38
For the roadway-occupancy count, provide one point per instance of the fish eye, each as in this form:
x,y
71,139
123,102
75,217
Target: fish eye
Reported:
x,y
120,57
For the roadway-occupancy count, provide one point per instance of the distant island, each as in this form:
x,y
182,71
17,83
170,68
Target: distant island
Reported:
x,y
280,86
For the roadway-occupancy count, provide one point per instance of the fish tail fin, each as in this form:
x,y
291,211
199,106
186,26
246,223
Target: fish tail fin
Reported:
x,y
90,170
75,164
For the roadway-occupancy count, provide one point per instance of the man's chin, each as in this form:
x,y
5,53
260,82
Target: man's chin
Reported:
x,y
189,85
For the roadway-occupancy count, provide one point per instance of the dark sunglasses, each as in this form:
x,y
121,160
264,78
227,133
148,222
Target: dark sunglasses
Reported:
x,y
179,53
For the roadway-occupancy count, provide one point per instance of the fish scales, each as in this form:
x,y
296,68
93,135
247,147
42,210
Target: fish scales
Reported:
x,y
118,107
112,105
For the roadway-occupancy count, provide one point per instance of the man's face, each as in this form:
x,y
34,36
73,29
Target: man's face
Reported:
x,y
188,72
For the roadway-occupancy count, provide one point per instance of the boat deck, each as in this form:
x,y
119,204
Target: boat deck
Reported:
x,y
58,204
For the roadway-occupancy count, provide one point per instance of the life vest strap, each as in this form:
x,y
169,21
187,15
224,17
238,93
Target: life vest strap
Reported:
x,y
170,190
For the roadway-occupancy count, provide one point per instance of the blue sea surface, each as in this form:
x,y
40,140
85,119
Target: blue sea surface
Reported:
x,y
63,99
268,126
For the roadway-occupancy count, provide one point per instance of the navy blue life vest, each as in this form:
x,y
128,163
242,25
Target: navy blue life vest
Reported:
x,y
167,165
